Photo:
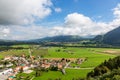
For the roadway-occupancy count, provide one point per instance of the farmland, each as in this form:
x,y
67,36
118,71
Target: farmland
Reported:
x,y
94,56
52,75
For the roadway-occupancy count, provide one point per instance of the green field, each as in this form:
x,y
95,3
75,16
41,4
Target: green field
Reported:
x,y
94,56
54,75
13,52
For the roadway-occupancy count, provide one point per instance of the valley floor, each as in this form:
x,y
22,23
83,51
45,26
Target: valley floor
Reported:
x,y
93,56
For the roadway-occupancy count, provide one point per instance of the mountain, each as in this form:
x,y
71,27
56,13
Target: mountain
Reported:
x,y
98,38
13,42
65,38
112,37
61,38
6,42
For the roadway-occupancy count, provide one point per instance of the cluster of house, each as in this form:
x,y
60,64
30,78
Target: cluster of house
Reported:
x,y
80,60
23,64
19,63
47,63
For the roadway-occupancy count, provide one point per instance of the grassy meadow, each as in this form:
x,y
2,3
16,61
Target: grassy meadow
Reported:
x,y
53,75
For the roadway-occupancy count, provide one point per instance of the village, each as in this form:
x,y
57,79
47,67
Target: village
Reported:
x,y
12,65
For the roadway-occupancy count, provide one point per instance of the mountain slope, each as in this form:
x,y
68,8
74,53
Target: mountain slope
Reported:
x,y
112,37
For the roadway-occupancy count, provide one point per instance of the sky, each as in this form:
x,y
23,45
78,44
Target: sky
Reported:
x,y
34,19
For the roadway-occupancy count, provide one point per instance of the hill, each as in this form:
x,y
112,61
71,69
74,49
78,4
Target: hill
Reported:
x,y
108,70
112,37
13,42
63,38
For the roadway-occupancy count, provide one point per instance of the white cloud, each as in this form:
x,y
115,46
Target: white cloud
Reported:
x,y
23,11
76,19
4,31
116,21
117,11
58,10
25,33
78,24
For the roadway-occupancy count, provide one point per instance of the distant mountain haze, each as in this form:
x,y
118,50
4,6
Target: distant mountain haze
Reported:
x,y
61,38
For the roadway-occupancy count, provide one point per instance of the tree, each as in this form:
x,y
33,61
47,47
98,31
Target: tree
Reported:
x,y
21,69
38,71
5,63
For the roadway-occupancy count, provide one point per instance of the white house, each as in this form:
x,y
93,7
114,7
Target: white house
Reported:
x,y
6,71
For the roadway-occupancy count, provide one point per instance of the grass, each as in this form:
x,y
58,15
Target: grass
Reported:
x,y
52,75
39,52
69,76
13,52
93,58
103,49
24,46
19,52
77,53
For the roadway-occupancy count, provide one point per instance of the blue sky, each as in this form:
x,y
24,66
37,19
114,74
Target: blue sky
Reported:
x,y
32,19
97,10
91,8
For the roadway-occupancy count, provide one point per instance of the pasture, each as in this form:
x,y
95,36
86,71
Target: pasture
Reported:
x,y
93,57
56,75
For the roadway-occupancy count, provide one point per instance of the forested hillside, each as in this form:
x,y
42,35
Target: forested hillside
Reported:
x,y
108,70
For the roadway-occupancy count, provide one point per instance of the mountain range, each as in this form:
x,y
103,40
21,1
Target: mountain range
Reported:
x,y
111,38
61,38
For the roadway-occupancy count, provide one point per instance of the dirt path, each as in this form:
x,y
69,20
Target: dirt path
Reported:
x,y
67,65
81,68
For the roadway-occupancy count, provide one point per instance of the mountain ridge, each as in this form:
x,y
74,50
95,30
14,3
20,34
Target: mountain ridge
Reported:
x,y
60,38
112,37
